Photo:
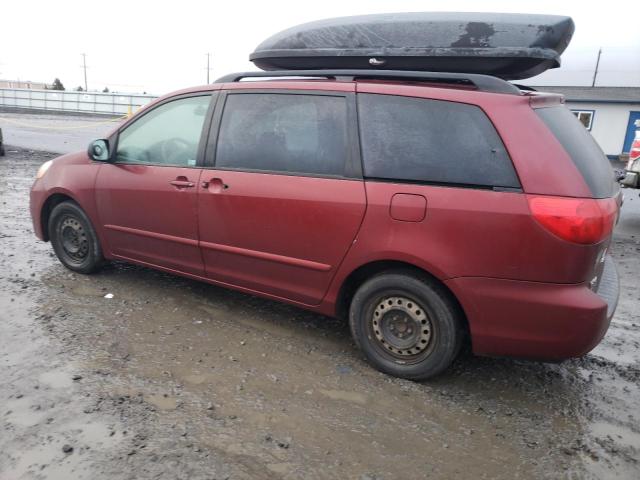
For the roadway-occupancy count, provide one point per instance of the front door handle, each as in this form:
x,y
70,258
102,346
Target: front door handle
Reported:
x,y
181,182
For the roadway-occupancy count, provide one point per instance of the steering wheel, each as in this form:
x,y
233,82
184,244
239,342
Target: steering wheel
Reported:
x,y
174,150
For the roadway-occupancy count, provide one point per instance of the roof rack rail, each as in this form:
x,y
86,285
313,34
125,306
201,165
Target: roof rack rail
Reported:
x,y
484,83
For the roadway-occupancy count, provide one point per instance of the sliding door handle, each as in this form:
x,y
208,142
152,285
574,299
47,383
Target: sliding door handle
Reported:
x,y
215,185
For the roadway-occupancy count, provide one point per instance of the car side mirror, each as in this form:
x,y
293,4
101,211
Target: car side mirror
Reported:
x,y
99,150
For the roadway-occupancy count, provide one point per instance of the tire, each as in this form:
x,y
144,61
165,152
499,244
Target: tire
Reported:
x,y
74,239
406,325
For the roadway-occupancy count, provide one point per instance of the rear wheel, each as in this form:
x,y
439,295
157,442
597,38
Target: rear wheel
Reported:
x,y
406,325
73,238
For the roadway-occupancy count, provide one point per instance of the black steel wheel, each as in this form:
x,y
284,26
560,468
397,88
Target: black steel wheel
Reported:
x,y
401,328
406,325
73,238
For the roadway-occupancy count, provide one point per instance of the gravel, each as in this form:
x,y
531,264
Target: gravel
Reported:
x,y
194,381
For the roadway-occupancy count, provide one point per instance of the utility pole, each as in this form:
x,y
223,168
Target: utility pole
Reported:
x,y
84,66
208,68
595,74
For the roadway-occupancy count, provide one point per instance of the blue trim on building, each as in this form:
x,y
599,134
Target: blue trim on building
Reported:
x,y
634,116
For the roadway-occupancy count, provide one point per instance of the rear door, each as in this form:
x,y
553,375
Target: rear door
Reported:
x,y
284,199
147,197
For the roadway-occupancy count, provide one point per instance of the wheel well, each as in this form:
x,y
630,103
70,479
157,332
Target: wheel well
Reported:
x,y
48,206
363,273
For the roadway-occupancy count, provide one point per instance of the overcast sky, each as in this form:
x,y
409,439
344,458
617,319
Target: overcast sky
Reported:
x,y
160,46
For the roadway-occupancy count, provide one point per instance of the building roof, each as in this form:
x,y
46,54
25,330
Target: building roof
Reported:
x,y
596,94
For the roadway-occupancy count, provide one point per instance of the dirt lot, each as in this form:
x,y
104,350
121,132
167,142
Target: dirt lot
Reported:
x,y
172,378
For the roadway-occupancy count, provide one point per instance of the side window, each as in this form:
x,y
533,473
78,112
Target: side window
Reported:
x,y
283,133
168,135
431,141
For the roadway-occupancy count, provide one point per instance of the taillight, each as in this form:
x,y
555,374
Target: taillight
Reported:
x,y
578,220
634,154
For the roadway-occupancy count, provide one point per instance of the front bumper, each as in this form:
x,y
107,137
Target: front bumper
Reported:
x,y
36,202
537,320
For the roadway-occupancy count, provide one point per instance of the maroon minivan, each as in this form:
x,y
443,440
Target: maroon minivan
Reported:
x,y
426,209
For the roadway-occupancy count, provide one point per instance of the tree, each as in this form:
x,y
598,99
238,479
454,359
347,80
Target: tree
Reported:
x,y
57,85
106,90
79,89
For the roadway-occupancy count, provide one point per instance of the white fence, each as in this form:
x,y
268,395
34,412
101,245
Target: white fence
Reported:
x,y
63,101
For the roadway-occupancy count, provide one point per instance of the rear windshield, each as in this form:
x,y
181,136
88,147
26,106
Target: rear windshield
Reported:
x,y
586,154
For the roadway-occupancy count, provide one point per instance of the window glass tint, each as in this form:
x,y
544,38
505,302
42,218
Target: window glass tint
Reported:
x,y
582,148
284,133
431,141
168,135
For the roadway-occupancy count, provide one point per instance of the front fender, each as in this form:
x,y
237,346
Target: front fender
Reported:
x,y
73,177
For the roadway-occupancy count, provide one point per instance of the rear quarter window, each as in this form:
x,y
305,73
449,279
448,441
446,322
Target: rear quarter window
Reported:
x,y
585,153
432,141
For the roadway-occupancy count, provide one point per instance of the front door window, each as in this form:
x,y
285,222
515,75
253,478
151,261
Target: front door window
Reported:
x,y
168,135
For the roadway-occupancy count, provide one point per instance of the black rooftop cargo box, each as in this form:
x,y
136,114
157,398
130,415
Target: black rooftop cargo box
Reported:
x,y
506,45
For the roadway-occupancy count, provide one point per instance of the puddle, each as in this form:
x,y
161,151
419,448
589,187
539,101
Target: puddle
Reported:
x,y
23,412
162,402
617,433
353,397
59,378
197,379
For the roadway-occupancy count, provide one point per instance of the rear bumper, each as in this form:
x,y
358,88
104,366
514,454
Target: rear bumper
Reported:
x,y
609,287
537,320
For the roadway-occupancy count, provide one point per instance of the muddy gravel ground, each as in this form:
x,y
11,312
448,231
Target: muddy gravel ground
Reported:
x,y
171,378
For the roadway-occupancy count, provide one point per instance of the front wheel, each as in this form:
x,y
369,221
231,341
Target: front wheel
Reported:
x,y
406,325
73,238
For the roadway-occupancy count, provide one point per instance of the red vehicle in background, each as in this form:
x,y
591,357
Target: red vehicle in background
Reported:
x,y
631,176
427,208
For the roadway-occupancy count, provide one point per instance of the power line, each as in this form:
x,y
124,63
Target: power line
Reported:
x,y
84,66
208,66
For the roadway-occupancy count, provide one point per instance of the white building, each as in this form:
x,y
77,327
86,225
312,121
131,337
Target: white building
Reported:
x,y
609,113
